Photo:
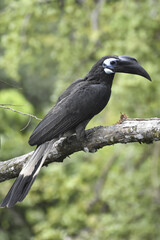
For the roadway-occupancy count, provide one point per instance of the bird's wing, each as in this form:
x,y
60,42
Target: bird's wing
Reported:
x,y
82,104
69,90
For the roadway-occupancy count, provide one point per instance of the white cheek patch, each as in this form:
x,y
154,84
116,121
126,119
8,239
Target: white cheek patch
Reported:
x,y
108,71
109,64
108,61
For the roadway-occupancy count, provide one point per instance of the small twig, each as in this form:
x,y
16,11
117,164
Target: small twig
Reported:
x,y
9,104
26,114
26,124
10,85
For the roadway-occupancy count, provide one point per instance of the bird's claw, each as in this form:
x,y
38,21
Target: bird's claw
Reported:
x,y
87,150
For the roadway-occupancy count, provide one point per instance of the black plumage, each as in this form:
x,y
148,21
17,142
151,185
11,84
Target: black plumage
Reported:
x,y
77,105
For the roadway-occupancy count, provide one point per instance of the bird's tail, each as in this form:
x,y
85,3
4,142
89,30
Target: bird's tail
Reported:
x,y
28,174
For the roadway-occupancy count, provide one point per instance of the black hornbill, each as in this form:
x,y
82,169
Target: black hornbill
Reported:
x,y
77,105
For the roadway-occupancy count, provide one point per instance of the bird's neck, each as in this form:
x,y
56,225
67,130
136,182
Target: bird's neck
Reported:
x,y
101,79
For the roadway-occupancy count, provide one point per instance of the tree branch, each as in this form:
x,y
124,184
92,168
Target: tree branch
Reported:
x,y
125,131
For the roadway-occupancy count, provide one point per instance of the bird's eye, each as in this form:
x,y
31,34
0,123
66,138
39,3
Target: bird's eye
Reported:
x,y
113,63
110,63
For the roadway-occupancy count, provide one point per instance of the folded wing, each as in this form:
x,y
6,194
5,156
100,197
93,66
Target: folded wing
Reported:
x,y
80,105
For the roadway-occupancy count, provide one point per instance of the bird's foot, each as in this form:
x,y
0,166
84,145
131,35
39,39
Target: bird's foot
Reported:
x,y
69,139
89,150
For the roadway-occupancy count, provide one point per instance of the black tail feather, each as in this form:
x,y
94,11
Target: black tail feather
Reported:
x,y
27,176
19,189
6,200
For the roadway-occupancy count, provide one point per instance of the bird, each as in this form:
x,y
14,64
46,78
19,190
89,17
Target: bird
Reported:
x,y
76,106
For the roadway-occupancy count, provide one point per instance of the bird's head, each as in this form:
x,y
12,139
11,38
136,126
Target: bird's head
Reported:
x,y
124,64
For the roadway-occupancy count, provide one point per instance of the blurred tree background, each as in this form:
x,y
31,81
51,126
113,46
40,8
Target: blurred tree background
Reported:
x,y
113,194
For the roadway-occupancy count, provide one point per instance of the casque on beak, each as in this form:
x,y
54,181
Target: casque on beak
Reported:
x,y
130,65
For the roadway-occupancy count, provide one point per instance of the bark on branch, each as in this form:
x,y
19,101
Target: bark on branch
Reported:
x,y
125,131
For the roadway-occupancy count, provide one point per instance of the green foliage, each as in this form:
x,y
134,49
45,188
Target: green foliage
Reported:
x,y
45,45
13,125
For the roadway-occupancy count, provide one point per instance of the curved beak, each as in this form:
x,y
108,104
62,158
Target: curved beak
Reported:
x,y
130,65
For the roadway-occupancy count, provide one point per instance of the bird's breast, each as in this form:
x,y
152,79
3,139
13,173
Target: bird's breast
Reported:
x,y
96,98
